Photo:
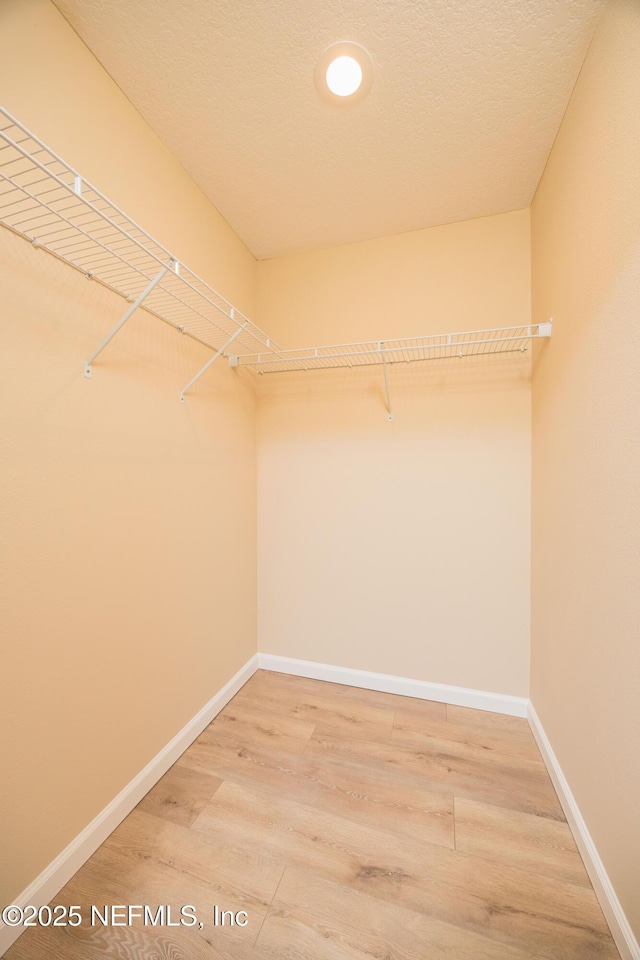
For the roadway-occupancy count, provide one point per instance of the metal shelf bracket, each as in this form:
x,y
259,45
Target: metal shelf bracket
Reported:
x,y
213,359
545,329
125,316
386,382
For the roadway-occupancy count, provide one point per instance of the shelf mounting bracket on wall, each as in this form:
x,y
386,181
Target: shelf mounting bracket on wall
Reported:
x,y
386,382
545,329
213,359
173,265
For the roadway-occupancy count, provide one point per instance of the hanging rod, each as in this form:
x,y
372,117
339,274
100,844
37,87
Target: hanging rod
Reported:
x,y
46,201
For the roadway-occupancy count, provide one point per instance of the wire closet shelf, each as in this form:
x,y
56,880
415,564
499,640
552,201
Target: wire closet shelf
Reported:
x,y
444,346
49,203
46,201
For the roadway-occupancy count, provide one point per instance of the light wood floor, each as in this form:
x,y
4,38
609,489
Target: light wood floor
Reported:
x,y
349,825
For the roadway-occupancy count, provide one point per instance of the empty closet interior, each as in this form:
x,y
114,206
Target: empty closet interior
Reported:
x,y
384,437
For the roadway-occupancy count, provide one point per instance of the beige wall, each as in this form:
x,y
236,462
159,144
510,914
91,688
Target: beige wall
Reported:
x,y
586,443
399,547
128,520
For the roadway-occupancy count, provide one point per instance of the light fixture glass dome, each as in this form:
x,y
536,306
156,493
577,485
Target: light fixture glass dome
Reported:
x,y
344,73
344,76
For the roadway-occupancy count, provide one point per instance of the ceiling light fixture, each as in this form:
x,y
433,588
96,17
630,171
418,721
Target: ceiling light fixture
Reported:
x,y
344,73
344,76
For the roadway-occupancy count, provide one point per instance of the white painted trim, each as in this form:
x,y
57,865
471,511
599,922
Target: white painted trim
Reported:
x,y
60,870
611,907
388,683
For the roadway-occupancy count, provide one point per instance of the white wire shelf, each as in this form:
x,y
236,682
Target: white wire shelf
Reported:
x,y
473,343
47,202
44,200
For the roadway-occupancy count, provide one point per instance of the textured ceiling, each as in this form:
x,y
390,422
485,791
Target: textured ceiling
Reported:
x,y
467,97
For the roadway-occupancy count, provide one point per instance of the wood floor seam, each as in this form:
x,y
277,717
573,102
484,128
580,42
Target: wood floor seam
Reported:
x,y
270,905
308,740
453,805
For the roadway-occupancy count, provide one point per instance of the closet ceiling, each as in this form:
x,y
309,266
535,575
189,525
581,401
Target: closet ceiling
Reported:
x,y
466,100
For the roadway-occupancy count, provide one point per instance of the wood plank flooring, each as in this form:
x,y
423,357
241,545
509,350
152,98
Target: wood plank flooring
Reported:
x,y
348,825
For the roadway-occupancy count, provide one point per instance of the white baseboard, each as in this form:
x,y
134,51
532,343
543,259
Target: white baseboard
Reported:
x,y
611,907
60,870
388,683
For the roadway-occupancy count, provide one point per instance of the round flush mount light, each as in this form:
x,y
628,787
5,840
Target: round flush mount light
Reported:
x,y
344,73
344,76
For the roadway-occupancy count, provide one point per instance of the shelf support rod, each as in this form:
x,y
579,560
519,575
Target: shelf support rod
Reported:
x,y
386,381
123,319
213,359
